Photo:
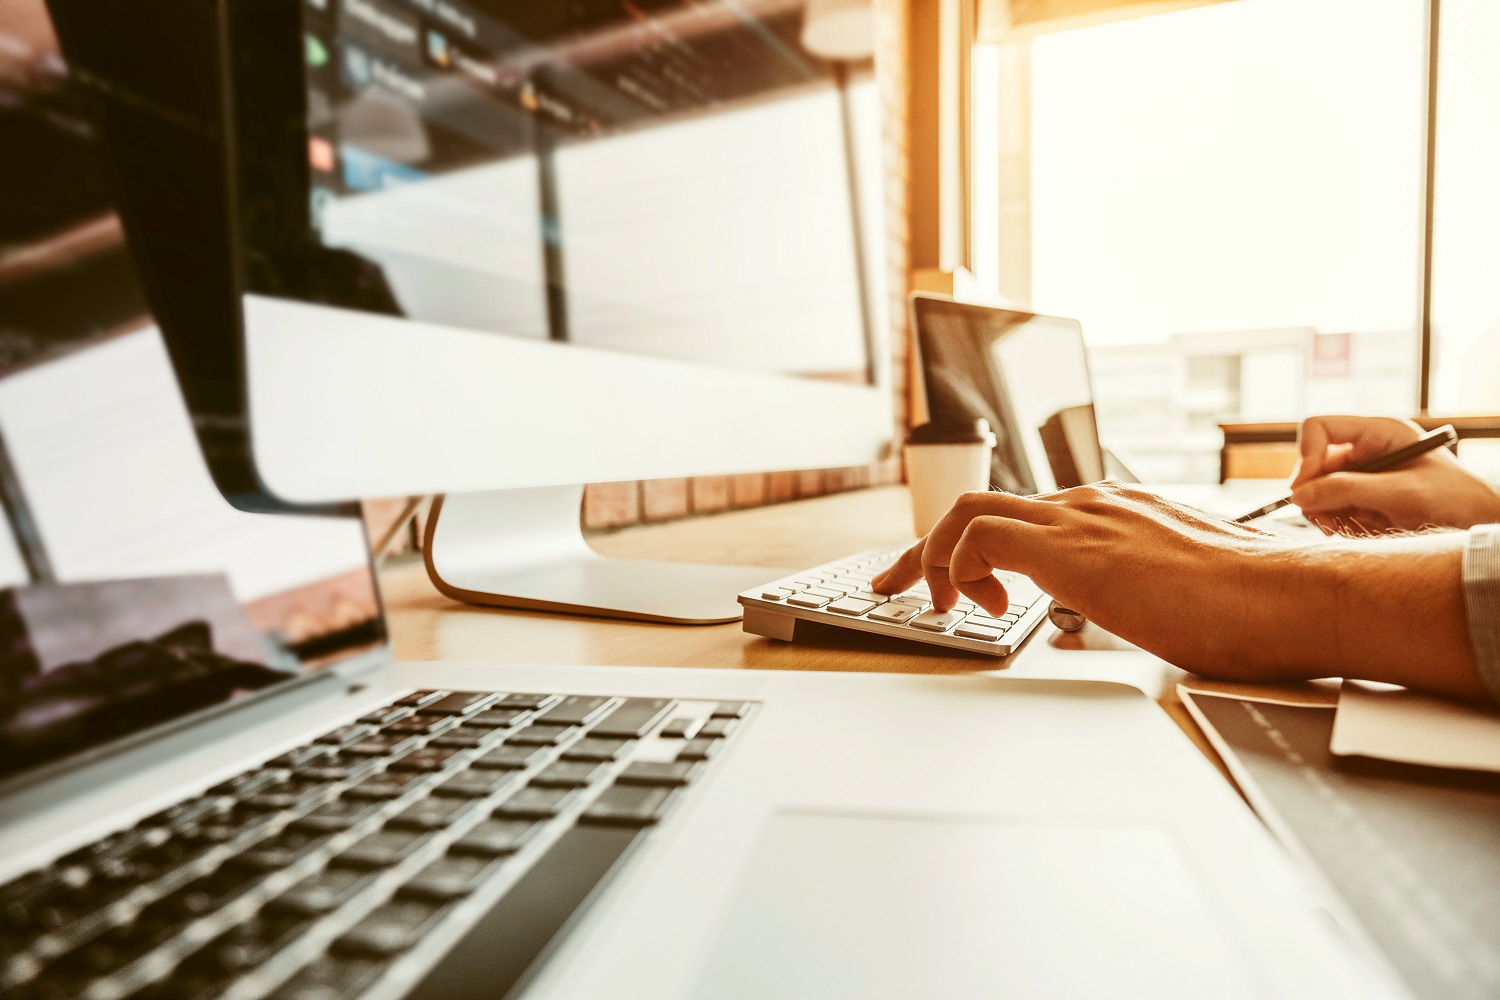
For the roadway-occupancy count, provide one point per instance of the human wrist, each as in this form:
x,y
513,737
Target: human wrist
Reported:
x,y
1394,611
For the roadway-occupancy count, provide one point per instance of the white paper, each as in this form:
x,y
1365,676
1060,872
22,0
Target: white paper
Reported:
x,y
1394,723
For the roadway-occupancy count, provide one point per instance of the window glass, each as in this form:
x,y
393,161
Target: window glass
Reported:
x,y
1230,198
1466,213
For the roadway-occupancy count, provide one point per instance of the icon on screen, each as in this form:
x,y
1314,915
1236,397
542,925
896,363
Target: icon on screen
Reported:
x,y
356,66
317,52
437,49
321,155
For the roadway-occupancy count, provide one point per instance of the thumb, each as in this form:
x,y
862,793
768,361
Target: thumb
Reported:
x,y
1382,492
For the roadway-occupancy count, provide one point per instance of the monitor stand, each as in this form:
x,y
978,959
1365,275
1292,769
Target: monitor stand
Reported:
x,y
525,549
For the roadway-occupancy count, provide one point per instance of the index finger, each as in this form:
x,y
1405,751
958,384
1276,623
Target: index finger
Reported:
x,y
902,574
937,552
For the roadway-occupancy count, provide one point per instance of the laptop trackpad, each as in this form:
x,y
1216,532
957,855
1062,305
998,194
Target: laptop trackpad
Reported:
x,y
836,905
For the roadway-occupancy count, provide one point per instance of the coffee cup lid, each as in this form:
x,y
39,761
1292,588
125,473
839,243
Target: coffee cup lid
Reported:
x,y
976,431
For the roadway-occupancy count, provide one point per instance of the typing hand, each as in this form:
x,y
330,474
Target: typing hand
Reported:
x,y
1197,590
1432,490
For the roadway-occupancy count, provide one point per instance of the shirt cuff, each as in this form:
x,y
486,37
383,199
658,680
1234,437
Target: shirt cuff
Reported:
x,y
1482,601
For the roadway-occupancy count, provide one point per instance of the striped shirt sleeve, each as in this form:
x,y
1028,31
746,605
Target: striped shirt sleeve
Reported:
x,y
1482,601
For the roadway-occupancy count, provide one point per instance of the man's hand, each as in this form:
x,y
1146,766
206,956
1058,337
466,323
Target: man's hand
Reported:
x,y
1211,596
1432,490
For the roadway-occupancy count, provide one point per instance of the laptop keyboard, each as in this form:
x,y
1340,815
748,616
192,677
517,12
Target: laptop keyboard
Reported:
x,y
330,867
838,594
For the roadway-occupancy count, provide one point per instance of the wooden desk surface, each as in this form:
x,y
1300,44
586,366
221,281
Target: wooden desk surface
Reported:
x,y
427,626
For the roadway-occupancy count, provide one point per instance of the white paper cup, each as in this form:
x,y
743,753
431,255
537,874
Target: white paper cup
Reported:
x,y
942,463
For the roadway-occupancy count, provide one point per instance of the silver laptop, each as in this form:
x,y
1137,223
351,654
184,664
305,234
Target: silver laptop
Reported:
x,y
217,784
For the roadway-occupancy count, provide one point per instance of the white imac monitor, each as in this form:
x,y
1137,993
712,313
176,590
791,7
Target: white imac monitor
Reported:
x,y
497,249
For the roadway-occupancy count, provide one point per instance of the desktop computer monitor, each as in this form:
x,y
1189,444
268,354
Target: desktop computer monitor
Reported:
x,y
497,249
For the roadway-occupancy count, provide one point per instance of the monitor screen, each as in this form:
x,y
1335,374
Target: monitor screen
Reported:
x,y
131,593
1027,375
670,179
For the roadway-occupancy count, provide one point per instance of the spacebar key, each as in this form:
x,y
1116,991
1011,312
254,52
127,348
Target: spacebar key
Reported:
x,y
495,953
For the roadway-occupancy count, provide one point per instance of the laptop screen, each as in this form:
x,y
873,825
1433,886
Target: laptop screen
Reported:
x,y
1027,375
131,593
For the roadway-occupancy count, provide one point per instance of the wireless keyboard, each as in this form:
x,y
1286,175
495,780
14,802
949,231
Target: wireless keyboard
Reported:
x,y
839,594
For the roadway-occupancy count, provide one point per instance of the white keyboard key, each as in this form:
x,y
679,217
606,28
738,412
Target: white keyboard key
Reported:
x,y
868,595
896,614
916,602
775,593
827,592
987,622
938,621
849,606
968,631
807,600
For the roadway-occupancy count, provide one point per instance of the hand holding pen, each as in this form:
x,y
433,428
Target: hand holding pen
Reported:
x,y
1363,475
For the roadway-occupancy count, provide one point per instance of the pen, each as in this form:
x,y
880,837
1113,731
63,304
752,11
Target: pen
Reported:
x,y
1441,437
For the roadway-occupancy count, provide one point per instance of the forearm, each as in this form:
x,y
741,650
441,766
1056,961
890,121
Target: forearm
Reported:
x,y
1387,610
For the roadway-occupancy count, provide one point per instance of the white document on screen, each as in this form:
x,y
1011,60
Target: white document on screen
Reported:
x,y
106,456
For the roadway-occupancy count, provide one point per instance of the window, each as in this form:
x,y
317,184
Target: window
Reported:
x,y
1230,198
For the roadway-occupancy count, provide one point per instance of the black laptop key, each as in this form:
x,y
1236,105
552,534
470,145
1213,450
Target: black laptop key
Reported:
x,y
252,782
701,749
240,949
498,718
590,748
653,772
386,785
542,735
281,851
495,837
425,759
680,729
382,745
192,811
628,805
715,729
532,802
323,892
569,773
419,698
298,758
492,956
458,703
382,850
331,977
381,716
346,734
292,795
731,709
422,725
532,701
448,878
209,893
633,719
510,758
467,737
574,710
340,814
474,783
430,813
390,928
332,771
